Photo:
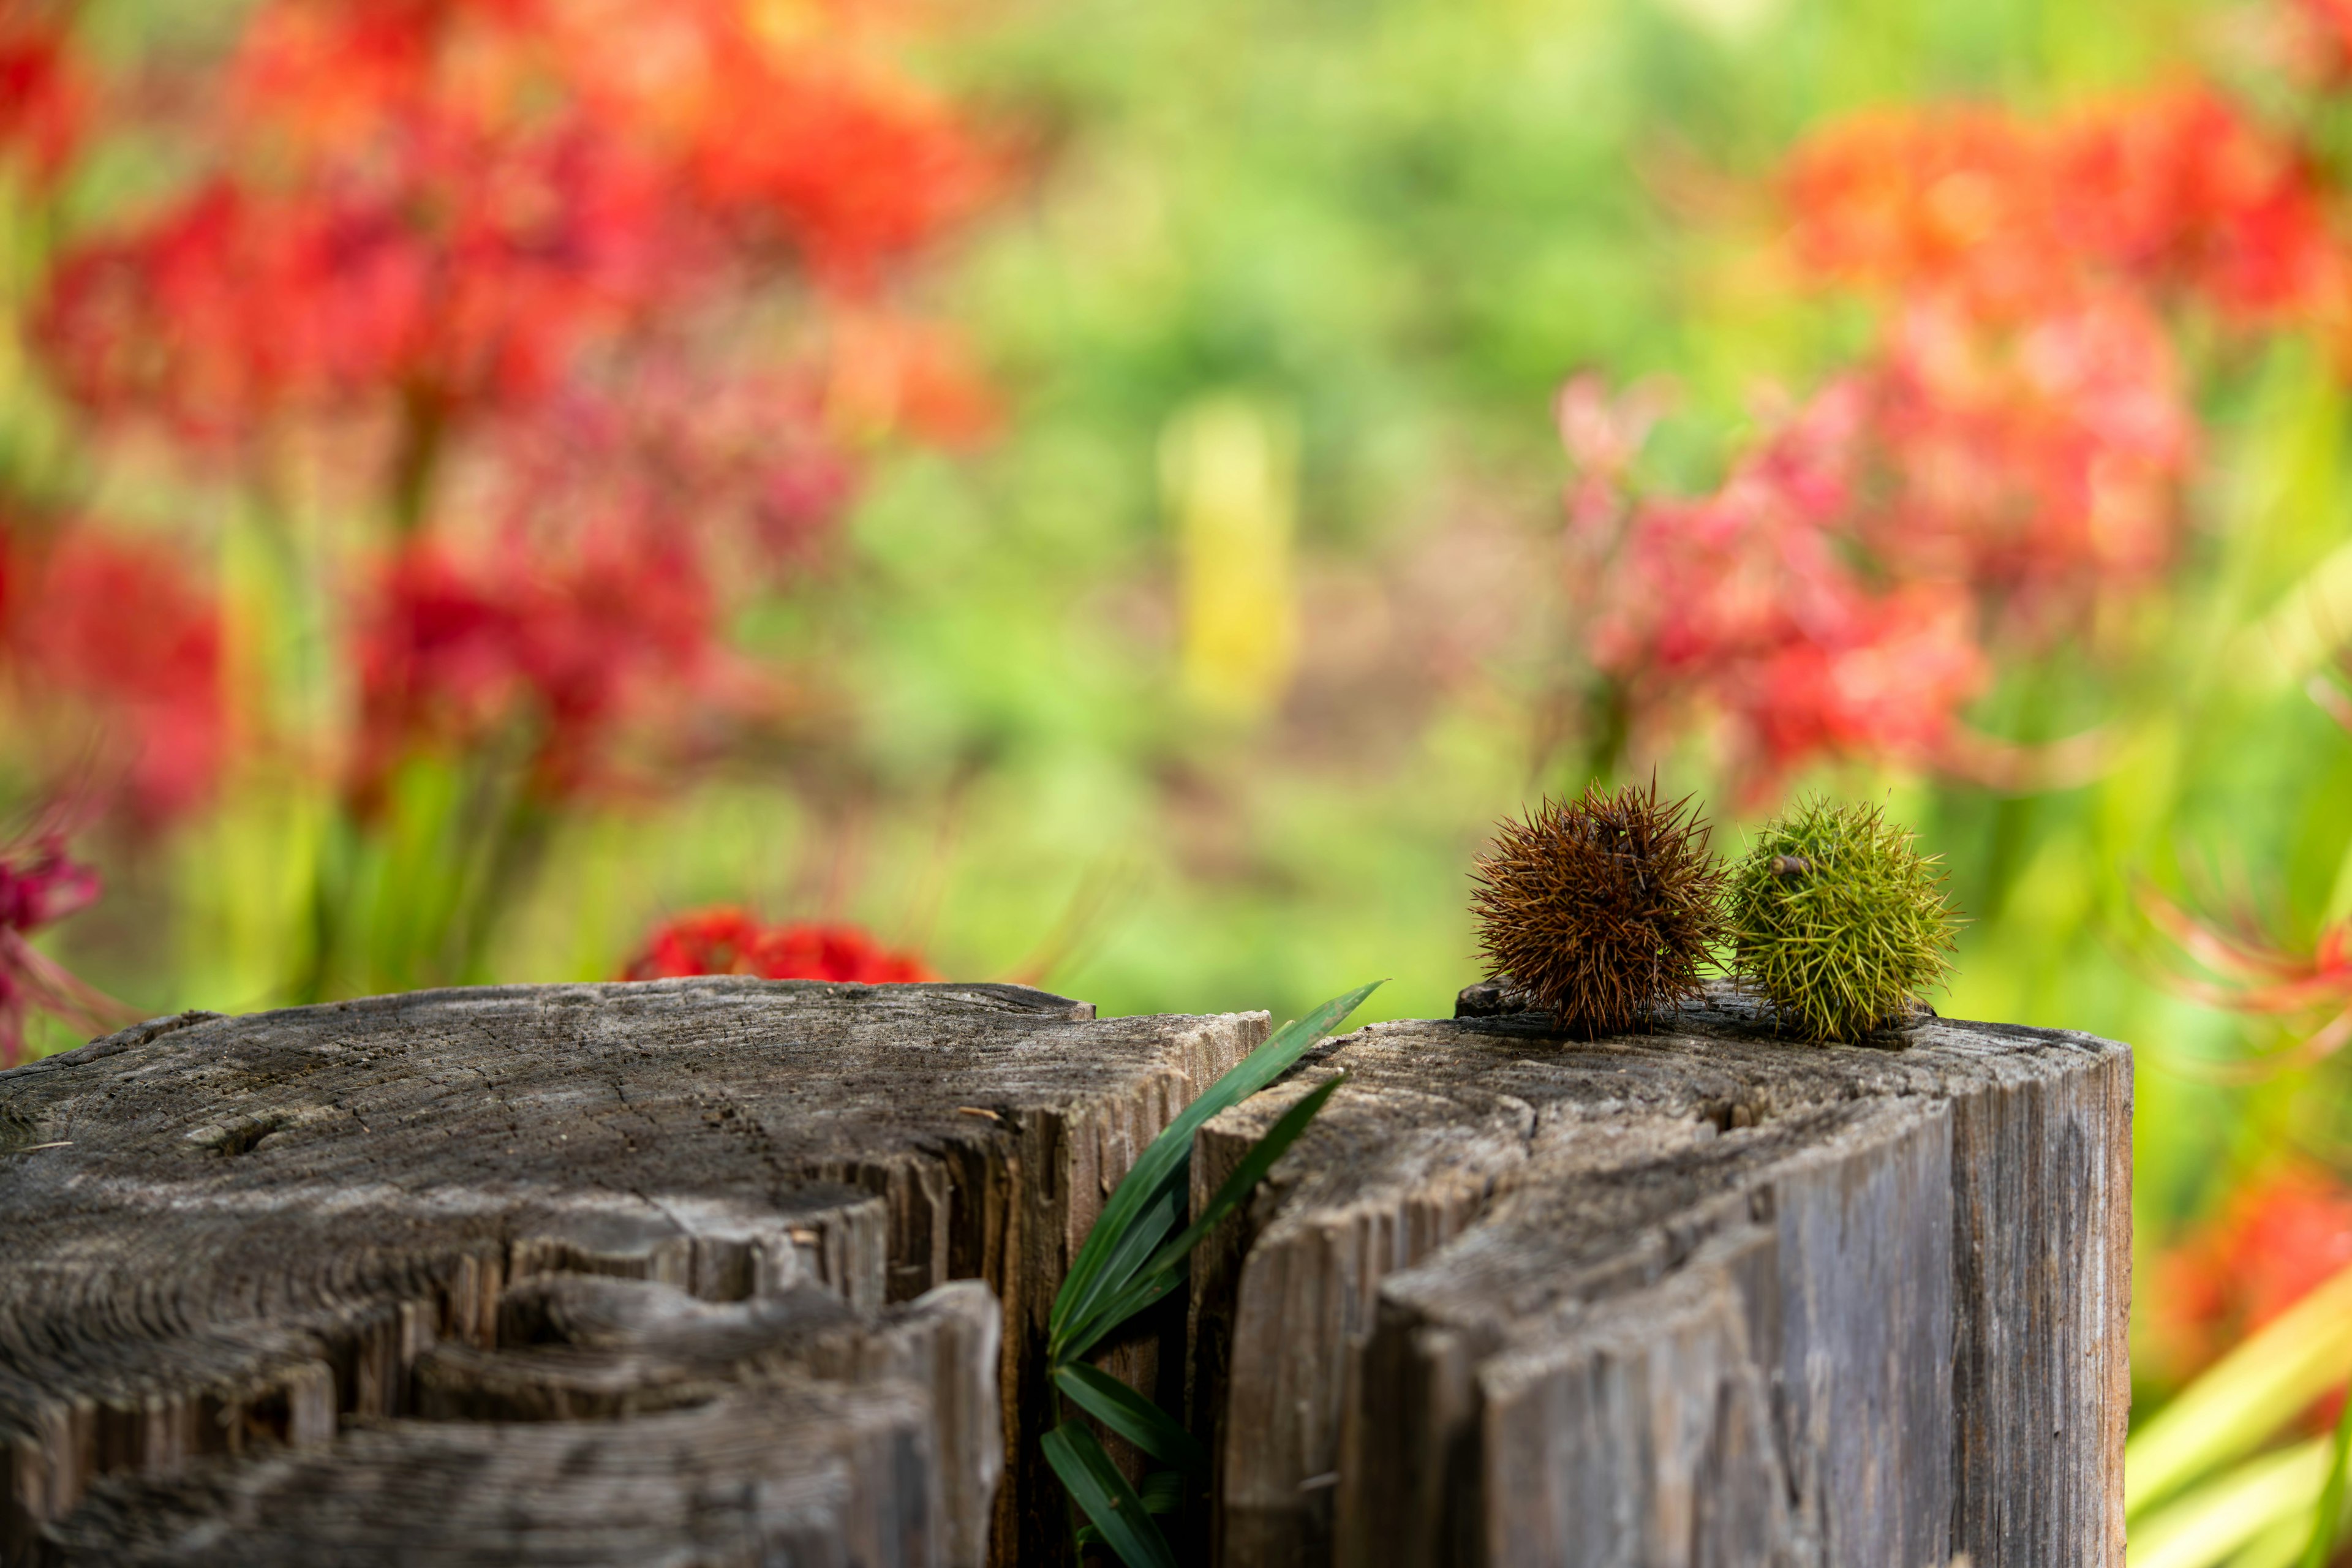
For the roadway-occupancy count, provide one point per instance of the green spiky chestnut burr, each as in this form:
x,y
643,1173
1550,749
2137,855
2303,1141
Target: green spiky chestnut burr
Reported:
x,y
1839,920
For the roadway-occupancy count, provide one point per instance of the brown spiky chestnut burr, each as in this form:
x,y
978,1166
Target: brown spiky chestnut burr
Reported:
x,y
1602,910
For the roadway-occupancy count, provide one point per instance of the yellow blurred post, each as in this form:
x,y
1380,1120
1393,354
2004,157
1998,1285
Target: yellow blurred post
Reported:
x,y
1229,480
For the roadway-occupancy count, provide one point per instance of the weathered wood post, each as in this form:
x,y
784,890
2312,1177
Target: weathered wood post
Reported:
x,y
1701,1297
582,1273
671,1272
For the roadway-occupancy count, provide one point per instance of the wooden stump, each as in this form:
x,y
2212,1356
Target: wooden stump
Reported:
x,y
724,1271
589,1273
1701,1297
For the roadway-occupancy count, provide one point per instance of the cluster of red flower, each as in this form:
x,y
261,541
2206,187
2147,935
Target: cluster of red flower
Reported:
x,y
1744,601
452,203
730,941
446,223
2007,462
585,293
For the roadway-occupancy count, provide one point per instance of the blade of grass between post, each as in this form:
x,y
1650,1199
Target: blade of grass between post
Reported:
x,y
1144,1232
1246,1175
1170,1155
1103,1495
1161,1275
1139,1295
1132,1416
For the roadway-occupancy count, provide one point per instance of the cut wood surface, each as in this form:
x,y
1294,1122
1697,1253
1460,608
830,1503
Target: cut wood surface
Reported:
x,y
305,1286
1700,1297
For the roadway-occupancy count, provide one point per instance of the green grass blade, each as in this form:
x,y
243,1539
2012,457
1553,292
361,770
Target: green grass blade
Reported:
x,y
1162,1491
1103,1495
1170,1155
2242,1399
1139,1293
1248,1173
1122,1260
1161,1275
1132,1416
2330,1512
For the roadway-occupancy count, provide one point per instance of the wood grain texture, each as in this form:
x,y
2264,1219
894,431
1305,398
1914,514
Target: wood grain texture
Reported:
x,y
250,1253
1698,1297
641,1426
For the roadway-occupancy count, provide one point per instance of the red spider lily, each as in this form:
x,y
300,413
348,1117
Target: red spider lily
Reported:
x,y
2182,191
443,208
43,99
2274,1241
456,275
725,939
120,631
801,138
2175,189
1744,601
2007,462
2256,973
1904,199
454,652
40,885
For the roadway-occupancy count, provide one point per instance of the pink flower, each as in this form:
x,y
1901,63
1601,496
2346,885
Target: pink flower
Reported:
x,y
2039,465
1745,604
39,886
2249,970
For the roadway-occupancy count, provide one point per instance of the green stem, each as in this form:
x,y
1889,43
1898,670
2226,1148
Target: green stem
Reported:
x,y
331,881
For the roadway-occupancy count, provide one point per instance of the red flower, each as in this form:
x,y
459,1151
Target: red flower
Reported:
x,y
451,204
2255,973
809,139
725,939
2015,220
38,887
43,99
2181,190
459,269
120,632
454,652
